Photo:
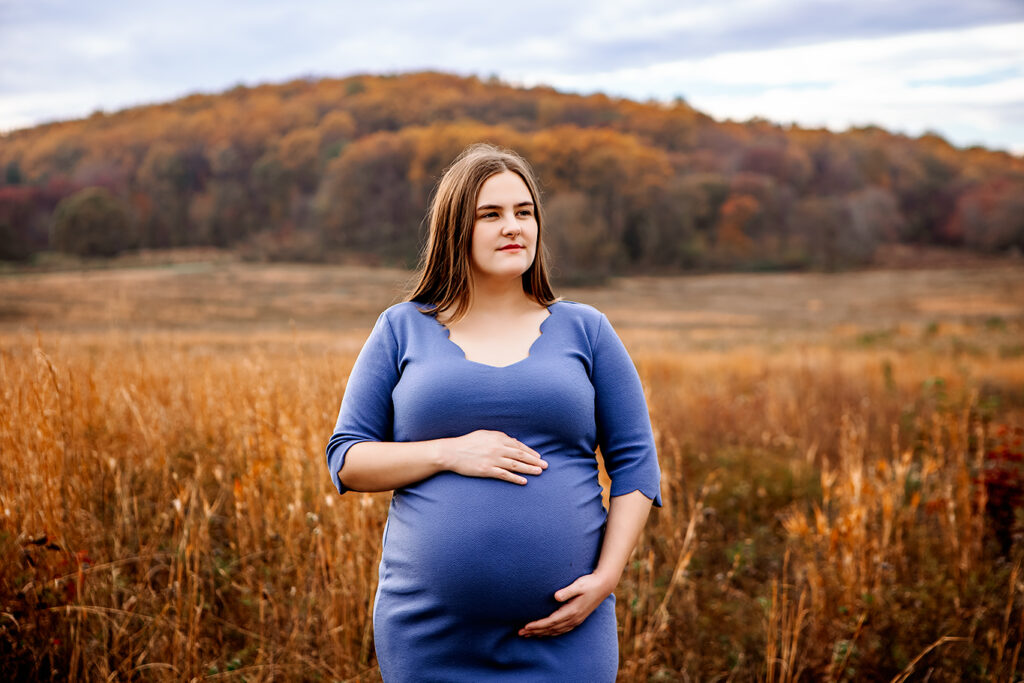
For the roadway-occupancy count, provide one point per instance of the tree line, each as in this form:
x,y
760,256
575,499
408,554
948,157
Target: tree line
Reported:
x,y
344,168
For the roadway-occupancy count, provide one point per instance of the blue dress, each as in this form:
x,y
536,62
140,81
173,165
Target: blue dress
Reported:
x,y
468,561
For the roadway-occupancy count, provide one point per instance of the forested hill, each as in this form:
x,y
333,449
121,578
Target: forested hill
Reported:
x,y
343,168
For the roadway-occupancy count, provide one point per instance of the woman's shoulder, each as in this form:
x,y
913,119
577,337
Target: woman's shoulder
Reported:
x,y
405,309
406,315
579,310
585,319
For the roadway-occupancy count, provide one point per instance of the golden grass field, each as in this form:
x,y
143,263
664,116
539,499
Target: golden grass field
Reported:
x,y
841,459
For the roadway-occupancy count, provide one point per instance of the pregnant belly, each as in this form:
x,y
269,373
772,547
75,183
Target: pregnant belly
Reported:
x,y
490,550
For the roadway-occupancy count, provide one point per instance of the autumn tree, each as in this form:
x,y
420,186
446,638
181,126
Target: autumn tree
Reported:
x,y
817,224
733,242
990,216
13,174
336,129
786,164
91,222
875,218
17,208
364,201
26,215
581,246
701,196
618,173
169,175
678,207
299,153
222,211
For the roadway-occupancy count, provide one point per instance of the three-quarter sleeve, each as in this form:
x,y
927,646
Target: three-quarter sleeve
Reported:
x,y
367,411
623,424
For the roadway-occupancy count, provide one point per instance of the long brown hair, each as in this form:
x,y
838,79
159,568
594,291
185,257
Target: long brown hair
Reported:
x,y
445,272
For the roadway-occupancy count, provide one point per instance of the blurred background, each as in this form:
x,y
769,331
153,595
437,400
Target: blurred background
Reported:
x,y
804,218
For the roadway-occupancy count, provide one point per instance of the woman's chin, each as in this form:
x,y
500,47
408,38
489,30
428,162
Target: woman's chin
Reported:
x,y
505,272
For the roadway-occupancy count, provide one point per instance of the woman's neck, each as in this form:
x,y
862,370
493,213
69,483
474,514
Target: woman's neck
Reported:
x,y
498,297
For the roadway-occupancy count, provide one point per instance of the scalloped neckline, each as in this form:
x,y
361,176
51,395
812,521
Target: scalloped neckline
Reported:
x,y
529,351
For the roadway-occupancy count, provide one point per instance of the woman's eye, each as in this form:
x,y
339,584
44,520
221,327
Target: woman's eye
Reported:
x,y
526,212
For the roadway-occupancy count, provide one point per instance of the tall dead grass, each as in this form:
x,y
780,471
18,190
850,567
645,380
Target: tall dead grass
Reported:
x,y
166,515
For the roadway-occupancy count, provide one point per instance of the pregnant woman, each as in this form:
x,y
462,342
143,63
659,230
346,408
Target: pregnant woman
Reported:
x,y
481,401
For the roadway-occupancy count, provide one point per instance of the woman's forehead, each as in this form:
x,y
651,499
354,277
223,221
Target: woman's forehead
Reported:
x,y
504,188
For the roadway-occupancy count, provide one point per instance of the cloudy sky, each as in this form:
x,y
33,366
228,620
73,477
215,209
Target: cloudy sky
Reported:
x,y
951,66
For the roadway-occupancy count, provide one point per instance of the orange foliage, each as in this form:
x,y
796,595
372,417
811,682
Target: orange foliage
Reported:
x,y
737,213
636,163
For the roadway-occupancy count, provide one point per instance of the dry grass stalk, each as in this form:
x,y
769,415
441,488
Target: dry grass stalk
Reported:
x,y
784,624
1006,670
907,672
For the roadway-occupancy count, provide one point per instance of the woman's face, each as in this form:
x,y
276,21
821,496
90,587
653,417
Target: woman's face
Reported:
x,y
505,231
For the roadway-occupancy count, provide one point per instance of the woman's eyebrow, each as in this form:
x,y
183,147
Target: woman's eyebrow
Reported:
x,y
498,206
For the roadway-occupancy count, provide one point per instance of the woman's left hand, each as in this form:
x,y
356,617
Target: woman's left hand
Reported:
x,y
581,597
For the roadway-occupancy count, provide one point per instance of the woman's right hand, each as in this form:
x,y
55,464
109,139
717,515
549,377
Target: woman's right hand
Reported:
x,y
488,453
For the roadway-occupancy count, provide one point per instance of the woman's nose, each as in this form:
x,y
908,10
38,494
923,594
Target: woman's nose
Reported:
x,y
511,227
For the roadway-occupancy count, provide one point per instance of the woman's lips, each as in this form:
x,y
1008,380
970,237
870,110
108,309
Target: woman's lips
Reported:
x,y
511,247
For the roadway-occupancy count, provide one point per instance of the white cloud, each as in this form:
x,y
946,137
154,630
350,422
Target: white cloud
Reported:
x,y
896,58
843,83
625,21
91,46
